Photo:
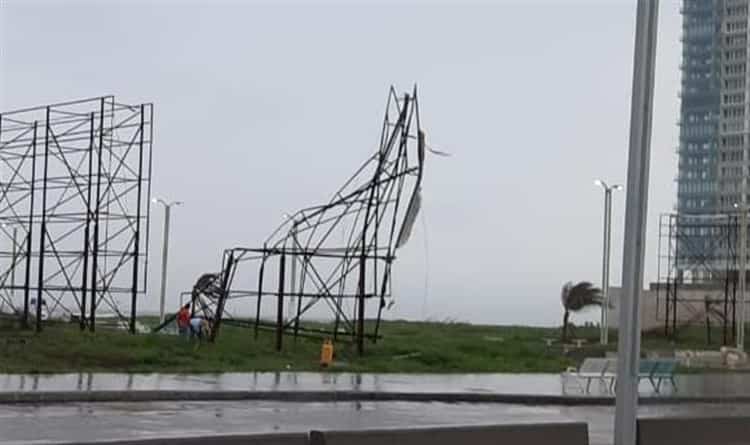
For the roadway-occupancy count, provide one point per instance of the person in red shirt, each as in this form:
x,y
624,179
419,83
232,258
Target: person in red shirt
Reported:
x,y
183,320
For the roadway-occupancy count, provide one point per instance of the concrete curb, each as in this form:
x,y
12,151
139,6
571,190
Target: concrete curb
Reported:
x,y
43,397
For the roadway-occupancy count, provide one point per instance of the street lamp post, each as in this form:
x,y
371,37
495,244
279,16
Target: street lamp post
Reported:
x,y
604,325
165,252
742,272
291,310
293,282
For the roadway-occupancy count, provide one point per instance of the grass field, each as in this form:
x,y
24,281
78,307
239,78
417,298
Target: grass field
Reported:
x,y
408,347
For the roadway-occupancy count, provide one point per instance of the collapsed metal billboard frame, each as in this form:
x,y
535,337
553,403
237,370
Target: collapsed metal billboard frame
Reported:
x,y
337,255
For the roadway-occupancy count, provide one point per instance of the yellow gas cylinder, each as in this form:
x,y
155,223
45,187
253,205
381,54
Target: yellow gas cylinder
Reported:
x,y
326,353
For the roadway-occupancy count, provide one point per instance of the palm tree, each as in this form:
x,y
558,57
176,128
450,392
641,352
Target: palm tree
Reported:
x,y
576,297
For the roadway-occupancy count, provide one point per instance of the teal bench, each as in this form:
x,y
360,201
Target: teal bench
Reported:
x,y
658,371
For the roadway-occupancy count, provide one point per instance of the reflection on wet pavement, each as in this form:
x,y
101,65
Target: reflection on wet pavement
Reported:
x,y
714,385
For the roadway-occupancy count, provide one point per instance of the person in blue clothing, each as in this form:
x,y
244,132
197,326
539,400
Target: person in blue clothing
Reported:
x,y
199,327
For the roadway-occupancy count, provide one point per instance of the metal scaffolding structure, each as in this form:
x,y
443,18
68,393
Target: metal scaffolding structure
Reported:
x,y
336,257
74,211
697,272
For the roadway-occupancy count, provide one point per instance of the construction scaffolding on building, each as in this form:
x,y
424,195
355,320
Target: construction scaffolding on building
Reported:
x,y
74,211
335,258
698,273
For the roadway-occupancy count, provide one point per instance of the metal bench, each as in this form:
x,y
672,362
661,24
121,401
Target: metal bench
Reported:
x,y
591,369
657,371
611,373
665,370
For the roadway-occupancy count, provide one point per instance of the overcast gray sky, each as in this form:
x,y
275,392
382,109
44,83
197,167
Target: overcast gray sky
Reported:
x,y
261,109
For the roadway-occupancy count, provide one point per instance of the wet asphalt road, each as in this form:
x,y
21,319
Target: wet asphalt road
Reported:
x,y
85,422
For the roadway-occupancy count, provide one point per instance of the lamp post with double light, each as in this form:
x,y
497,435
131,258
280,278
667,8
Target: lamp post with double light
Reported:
x,y
604,326
165,252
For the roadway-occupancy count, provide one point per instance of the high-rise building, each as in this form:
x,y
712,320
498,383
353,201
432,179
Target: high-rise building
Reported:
x,y
700,107
700,262
733,126
713,150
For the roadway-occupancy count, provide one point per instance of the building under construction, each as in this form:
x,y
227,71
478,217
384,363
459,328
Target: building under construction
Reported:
x,y
698,273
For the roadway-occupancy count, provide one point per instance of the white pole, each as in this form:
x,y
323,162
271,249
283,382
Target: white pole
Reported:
x,y
603,322
606,258
164,256
742,276
291,310
604,334
165,253
641,109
